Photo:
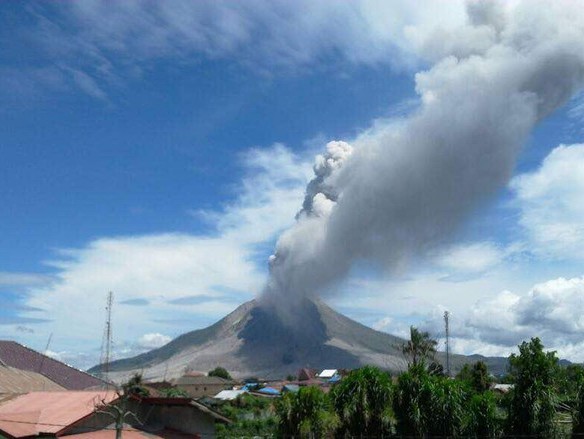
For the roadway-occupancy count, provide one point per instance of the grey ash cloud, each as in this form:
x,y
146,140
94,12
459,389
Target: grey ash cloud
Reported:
x,y
407,184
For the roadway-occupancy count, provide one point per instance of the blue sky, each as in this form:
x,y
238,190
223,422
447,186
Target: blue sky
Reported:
x,y
159,152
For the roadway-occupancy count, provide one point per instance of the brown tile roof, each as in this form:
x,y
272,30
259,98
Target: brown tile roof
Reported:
x,y
38,413
306,374
14,380
20,357
188,380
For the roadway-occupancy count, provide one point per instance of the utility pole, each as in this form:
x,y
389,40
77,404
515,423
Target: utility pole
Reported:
x,y
106,343
447,329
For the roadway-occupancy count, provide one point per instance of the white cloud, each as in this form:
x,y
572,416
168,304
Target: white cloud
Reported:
x,y
20,279
550,201
153,340
471,258
266,32
169,266
383,324
549,310
98,44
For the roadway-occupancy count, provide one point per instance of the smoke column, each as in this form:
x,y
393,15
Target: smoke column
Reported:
x,y
405,185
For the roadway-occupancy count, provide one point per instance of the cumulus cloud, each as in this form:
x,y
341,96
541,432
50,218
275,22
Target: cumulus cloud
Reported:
x,y
153,341
550,202
409,183
496,325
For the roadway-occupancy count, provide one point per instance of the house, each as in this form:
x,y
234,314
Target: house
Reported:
x,y
267,392
327,374
292,388
50,413
17,356
502,388
229,395
198,386
89,415
306,374
182,415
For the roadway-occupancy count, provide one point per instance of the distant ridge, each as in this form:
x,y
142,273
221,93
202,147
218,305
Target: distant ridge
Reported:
x,y
252,341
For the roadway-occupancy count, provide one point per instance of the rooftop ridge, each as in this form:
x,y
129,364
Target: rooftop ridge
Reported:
x,y
46,358
49,357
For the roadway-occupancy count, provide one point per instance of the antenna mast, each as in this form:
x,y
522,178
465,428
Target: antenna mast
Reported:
x,y
106,343
447,329
45,353
45,356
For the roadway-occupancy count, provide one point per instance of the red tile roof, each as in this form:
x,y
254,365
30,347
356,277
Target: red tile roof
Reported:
x,y
39,413
20,357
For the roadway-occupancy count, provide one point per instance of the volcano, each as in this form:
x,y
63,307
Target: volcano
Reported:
x,y
253,341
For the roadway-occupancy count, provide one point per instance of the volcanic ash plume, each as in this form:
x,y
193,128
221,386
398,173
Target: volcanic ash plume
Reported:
x,y
406,184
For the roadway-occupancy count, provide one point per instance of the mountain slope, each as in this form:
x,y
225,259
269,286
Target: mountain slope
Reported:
x,y
252,340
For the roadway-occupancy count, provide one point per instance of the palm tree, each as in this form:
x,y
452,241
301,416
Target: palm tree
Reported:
x,y
420,347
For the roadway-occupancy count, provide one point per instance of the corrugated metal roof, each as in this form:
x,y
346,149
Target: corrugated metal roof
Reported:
x,y
14,380
20,357
49,412
328,373
229,395
269,391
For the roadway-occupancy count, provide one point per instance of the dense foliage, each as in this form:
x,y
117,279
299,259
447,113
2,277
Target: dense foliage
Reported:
x,y
220,372
363,403
532,408
427,404
422,403
307,413
173,392
482,418
252,416
476,375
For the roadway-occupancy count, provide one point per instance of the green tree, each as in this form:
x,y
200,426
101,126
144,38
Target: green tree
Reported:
x,y
419,348
476,376
443,404
578,415
173,392
306,414
363,403
408,405
135,386
465,373
532,405
482,420
479,377
429,405
220,372
569,379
